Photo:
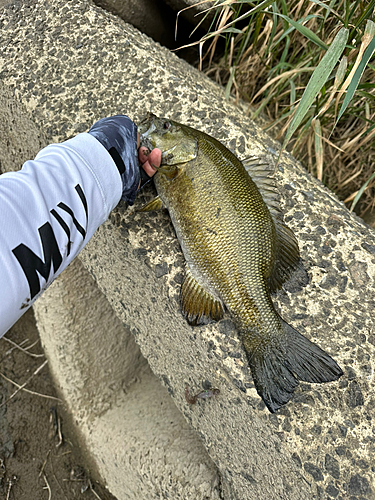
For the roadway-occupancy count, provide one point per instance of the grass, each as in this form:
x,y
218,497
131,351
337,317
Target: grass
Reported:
x,y
307,66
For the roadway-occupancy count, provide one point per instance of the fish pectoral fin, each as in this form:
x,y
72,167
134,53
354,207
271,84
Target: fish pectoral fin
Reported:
x,y
154,204
287,256
199,306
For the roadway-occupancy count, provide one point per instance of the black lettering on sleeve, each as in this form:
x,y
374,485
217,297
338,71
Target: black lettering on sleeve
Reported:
x,y
65,226
32,264
82,196
75,222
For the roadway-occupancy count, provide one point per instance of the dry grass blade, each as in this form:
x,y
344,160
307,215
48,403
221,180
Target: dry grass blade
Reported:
x,y
319,152
28,391
356,196
47,486
23,385
93,491
351,83
25,350
44,464
355,144
187,8
283,76
352,177
338,80
12,481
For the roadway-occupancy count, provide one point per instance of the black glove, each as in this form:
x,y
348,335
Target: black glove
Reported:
x,y
118,134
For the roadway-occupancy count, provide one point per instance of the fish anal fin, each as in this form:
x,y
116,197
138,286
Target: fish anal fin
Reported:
x,y
287,256
199,306
154,204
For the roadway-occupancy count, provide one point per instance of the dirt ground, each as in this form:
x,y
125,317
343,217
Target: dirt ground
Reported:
x,y
38,459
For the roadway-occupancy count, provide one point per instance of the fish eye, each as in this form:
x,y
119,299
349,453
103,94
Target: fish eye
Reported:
x,y
166,125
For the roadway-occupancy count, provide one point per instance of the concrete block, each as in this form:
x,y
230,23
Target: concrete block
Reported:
x,y
70,63
129,429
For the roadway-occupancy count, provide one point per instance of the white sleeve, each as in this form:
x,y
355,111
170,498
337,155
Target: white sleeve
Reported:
x,y
48,212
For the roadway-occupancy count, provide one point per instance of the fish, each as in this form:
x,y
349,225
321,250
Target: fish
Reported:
x,y
238,251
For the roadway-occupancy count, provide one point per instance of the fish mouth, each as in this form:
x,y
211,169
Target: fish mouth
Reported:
x,y
167,155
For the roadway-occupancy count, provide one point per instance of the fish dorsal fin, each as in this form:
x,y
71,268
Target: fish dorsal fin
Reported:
x,y
199,306
262,175
287,252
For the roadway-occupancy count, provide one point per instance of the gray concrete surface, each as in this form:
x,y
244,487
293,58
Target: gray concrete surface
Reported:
x,y
131,432
71,64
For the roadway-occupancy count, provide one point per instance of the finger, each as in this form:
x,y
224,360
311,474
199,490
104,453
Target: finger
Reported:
x,y
143,154
154,159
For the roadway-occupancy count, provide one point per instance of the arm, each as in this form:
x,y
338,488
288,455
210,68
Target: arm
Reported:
x,y
52,207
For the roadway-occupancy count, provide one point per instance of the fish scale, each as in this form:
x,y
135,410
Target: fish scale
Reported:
x,y
237,250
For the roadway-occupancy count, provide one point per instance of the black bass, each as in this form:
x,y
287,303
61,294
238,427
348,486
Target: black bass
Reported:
x,y
237,251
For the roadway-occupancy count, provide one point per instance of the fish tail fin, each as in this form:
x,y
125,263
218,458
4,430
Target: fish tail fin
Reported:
x,y
278,363
307,360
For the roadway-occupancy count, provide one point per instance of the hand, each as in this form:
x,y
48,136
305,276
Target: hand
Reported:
x,y
148,159
118,134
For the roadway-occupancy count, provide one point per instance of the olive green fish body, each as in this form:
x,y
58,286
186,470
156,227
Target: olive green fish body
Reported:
x,y
217,230
230,240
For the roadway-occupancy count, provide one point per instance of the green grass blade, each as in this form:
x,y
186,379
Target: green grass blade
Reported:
x,y
356,77
317,80
361,191
274,11
232,72
243,44
329,9
367,95
367,85
305,31
289,30
368,130
292,93
258,26
318,149
366,13
350,13
331,6
284,55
